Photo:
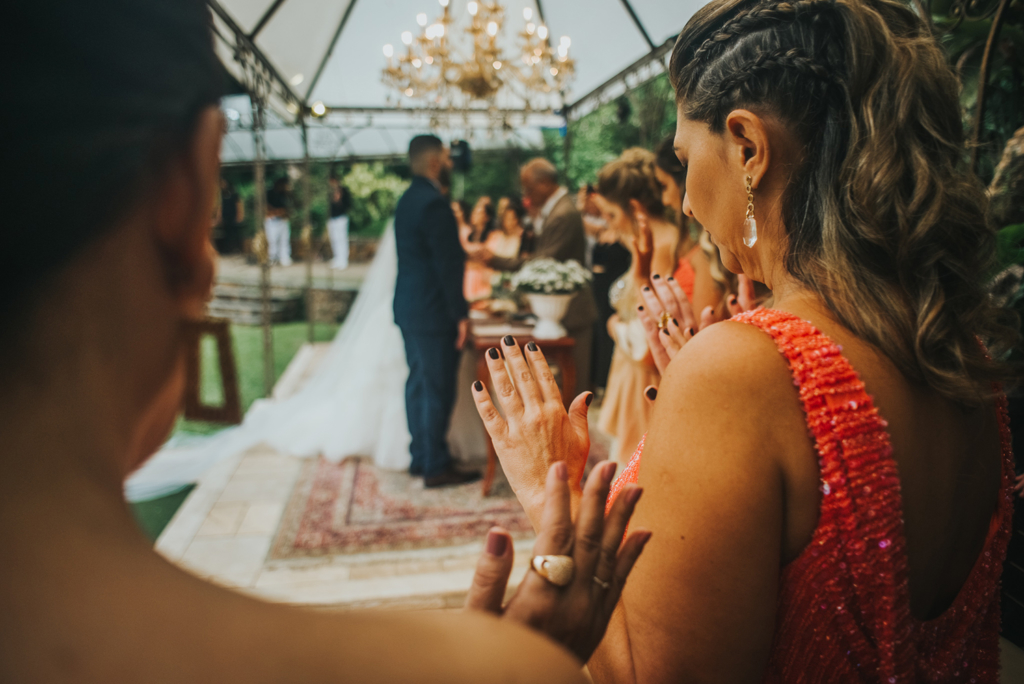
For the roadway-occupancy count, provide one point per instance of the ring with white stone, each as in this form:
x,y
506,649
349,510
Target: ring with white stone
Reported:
x,y
555,569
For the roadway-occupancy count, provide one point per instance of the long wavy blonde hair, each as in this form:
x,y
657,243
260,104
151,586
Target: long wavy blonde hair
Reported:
x,y
884,220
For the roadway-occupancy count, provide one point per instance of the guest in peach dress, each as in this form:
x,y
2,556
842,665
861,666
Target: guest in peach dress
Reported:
x,y
628,190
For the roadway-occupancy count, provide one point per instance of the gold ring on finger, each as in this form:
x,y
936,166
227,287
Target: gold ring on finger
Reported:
x,y
555,569
663,320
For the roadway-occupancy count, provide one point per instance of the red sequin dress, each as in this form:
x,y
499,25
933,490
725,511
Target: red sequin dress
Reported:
x,y
844,606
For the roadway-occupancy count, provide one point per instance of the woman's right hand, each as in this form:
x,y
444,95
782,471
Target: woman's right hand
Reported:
x,y
577,614
533,430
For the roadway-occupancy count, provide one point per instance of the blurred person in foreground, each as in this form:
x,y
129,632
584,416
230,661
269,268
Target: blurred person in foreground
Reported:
x,y
91,343
557,234
430,309
830,480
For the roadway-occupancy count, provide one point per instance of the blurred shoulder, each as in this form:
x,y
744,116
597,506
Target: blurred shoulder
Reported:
x,y
475,647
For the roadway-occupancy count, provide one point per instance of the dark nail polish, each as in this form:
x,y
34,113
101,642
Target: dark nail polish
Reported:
x,y
646,289
497,544
656,277
639,308
691,331
652,393
478,386
531,346
675,322
493,353
589,399
671,279
508,340
733,300
665,330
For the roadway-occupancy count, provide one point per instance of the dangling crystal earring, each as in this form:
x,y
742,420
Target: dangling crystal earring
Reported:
x,y
749,223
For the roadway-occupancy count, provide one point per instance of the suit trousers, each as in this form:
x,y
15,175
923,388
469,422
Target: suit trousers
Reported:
x,y
429,398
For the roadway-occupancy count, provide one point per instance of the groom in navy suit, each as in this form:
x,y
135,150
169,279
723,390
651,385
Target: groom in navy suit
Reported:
x,y
430,309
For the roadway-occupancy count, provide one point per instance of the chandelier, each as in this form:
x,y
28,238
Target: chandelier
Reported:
x,y
433,71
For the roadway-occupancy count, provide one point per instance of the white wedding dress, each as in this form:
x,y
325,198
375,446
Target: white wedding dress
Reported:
x,y
354,405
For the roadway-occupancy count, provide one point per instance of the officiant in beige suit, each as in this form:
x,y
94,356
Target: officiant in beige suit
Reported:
x,y
558,228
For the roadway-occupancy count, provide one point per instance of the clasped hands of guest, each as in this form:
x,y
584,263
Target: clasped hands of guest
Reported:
x,y
543,450
479,253
667,316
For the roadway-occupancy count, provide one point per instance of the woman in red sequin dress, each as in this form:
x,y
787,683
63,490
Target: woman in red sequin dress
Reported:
x,y
827,481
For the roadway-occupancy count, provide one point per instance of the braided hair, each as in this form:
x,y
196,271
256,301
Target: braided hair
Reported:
x,y
883,220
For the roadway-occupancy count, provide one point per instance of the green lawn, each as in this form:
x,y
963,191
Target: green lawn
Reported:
x,y
153,515
248,346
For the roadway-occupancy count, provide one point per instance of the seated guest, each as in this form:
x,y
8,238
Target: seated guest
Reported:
x,y
627,188
94,305
557,234
829,481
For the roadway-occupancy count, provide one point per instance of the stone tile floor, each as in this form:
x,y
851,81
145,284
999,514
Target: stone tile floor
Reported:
x,y
224,529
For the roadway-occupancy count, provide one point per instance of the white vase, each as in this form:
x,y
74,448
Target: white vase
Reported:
x,y
550,310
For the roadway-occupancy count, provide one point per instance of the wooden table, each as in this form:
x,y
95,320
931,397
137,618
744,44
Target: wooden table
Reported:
x,y
558,352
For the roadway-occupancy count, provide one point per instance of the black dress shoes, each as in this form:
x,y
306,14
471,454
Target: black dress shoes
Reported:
x,y
450,477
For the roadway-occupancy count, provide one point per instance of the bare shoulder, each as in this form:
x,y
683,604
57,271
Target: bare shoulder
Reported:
x,y
741,360
729,393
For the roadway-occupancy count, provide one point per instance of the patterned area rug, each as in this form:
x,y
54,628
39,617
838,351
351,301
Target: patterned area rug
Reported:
x,y
354,507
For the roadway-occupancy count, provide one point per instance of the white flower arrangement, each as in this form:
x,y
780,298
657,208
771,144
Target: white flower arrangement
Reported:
x,y
547,276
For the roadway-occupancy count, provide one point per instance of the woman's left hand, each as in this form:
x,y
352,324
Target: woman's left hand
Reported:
x,y
577,614
536,430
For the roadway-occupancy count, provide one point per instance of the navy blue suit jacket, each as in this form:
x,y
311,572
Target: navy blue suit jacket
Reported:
x,y
431,262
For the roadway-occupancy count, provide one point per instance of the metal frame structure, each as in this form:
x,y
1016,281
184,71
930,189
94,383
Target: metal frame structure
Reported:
x,y
263,81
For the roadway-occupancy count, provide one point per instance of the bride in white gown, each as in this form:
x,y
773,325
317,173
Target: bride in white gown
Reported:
x,y
353,405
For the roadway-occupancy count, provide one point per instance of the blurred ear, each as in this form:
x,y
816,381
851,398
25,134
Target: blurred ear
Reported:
x,y
184,205
747,137
636,209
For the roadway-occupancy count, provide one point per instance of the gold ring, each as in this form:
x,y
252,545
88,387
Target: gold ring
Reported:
x,y
663,320
555,569
601,583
